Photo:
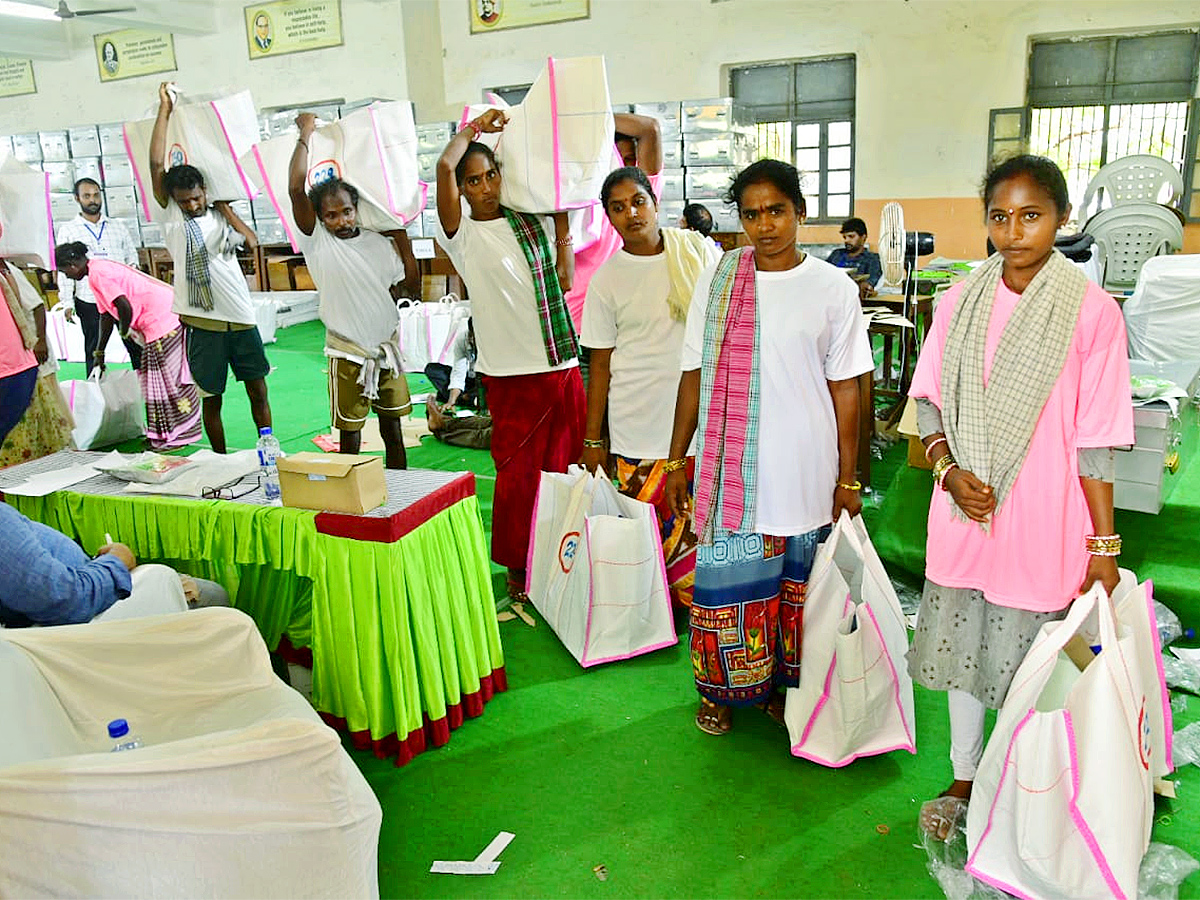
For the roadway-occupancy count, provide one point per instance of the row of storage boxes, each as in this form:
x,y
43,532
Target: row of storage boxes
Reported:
x,y
110,171
70,143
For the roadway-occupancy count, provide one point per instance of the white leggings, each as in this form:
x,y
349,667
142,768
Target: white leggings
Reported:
x,y
966,734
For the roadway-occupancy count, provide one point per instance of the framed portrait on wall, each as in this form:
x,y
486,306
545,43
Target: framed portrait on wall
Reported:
x,y
16,77
497,15
292,26
130,53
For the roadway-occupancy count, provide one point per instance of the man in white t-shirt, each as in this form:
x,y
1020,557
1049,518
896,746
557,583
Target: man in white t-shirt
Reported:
x,y
105,239
212,298
515,271
633,324
359,275
774,345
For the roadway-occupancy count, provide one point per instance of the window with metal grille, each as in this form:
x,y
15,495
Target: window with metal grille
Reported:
x,y
1095,100
805,114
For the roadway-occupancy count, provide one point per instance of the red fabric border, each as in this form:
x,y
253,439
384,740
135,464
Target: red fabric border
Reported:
x,y
432,733
389,529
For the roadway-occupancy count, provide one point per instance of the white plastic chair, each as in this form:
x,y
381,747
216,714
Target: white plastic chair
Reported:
x,y
1128,235
1140,178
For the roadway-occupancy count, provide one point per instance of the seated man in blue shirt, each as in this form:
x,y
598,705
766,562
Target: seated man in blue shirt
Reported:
x,y
49,580
856,257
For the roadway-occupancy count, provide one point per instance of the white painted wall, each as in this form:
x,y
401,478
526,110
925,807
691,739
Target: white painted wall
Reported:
x,y
928,70
370,63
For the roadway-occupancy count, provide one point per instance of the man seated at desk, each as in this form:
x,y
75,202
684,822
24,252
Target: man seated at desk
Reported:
x,y
856,258
49,580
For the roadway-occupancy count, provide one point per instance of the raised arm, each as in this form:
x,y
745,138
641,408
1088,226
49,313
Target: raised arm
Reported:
x,y
302,209
646,132
236,223
449,203
158,144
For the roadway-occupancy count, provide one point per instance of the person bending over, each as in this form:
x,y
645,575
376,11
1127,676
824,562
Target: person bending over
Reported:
x,y
359,275
212,299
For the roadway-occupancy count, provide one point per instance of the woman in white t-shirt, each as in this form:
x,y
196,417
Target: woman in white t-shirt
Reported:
x,y
773,348
633,324
515,274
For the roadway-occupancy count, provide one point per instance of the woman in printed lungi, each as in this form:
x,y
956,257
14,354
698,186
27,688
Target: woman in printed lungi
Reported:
x,y
773,348
140,306
1022,391
515,266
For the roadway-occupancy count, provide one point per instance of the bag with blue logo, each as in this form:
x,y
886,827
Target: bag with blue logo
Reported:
x,y
596,571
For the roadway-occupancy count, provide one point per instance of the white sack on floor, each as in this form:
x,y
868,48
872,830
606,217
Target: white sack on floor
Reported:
x,y
1162,318
239,790
596,570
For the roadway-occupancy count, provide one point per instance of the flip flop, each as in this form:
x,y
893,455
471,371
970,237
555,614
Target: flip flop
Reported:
x,y
712,718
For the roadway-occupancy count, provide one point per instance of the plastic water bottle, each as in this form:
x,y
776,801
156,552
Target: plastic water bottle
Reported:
x,y
268,451
118,730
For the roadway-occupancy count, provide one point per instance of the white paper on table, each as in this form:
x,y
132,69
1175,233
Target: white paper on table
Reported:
x,y
49,482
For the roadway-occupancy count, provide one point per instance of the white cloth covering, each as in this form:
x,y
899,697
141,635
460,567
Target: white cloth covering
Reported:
x,y
239,790
157,591
230,292
354,277
508,333
1162,317
626,310
811,331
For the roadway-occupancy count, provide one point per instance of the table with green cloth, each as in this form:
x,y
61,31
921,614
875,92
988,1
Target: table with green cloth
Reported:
x,y
395,605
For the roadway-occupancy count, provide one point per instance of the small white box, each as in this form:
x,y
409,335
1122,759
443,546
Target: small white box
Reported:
x,y
725,218
62,176
728,148
717,114
429,222
120,202
117,171
708,183
85,141
672,184
152,235
89,167
27,148
55,146
667,112
63,208
427,166
672,151
669,212
434,137
112,139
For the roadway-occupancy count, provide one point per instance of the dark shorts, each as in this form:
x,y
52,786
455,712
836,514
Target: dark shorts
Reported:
x,y
211,353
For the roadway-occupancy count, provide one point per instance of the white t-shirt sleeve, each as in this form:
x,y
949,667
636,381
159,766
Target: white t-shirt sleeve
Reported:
x,y
395,263
693,335
849,353
599,319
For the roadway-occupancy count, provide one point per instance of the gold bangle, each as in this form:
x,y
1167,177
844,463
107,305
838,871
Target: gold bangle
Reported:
x,y
1103,544
855,485
588,442
674,465
944,464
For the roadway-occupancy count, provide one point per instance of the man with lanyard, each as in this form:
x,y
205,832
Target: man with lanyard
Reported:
x,y
359,275
105,239
212,298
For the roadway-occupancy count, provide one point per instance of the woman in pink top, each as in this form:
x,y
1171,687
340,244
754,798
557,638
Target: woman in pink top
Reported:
x,y
1022,391
141,307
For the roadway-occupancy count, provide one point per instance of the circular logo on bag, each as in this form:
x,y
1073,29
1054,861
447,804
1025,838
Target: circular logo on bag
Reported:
x,y
1144,734
176,156
323,171
567,550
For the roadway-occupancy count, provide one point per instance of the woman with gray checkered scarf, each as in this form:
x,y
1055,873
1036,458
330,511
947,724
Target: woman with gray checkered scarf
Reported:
x,y
1022,391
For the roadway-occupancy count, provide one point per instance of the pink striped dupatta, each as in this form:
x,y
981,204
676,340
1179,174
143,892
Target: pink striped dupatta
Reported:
x,y
726,486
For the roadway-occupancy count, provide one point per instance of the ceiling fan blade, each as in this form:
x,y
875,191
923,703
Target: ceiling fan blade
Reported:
x,y
105,12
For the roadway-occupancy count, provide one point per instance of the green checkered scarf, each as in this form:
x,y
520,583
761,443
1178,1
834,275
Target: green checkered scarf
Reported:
x,y
558,332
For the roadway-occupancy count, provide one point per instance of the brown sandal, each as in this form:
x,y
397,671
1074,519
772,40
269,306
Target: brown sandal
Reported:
x,y
712,718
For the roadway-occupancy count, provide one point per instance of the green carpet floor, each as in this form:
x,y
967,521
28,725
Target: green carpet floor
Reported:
x,y
606,768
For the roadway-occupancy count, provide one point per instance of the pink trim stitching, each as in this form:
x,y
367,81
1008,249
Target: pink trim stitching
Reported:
x,y
554,128
251,191
1168,735
137,173
286,221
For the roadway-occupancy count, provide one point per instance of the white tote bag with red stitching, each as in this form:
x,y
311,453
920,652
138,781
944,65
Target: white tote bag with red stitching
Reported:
x,y
855,696
1062,803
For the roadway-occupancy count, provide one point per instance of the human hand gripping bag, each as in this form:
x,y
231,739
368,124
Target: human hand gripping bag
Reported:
x,y
1062,803
595,569
855,696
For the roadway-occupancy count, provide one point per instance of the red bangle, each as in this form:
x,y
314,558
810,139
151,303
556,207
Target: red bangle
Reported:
x,y
476,131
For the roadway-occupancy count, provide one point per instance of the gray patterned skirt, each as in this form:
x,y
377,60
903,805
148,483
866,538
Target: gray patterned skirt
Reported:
x,y
965,643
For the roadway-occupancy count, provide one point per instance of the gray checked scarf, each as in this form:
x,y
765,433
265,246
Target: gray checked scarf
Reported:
x,y
989,428
195,266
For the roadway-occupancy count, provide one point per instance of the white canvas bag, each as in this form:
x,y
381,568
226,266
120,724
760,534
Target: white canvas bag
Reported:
x,y
1062,803
26,234
373,148
595,569
1134,605
855,696
107,408
428,330
211,134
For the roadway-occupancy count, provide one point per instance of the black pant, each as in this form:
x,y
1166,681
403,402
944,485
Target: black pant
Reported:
x,y
89,321
439,375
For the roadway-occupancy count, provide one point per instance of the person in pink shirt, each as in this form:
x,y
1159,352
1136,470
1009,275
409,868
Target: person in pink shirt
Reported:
x,y
141,307
1022,392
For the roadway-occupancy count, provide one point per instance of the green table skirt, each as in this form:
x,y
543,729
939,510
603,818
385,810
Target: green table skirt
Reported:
x,y
403,634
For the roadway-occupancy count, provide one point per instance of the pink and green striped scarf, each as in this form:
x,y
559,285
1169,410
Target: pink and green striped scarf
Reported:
x,y
726,482
558,333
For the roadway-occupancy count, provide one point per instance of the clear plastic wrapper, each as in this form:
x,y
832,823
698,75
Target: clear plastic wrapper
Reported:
x,y
946,859
1179,703
1163,869
1169,628
1186,746
1180,674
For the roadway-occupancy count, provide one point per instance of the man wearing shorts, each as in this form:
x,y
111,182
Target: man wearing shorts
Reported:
x,y
359,275
211,295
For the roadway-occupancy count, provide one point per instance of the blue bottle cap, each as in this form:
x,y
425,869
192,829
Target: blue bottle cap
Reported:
x,y
118,728
266,429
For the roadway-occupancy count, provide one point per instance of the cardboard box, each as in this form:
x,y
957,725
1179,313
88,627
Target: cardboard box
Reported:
x,y
332,481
